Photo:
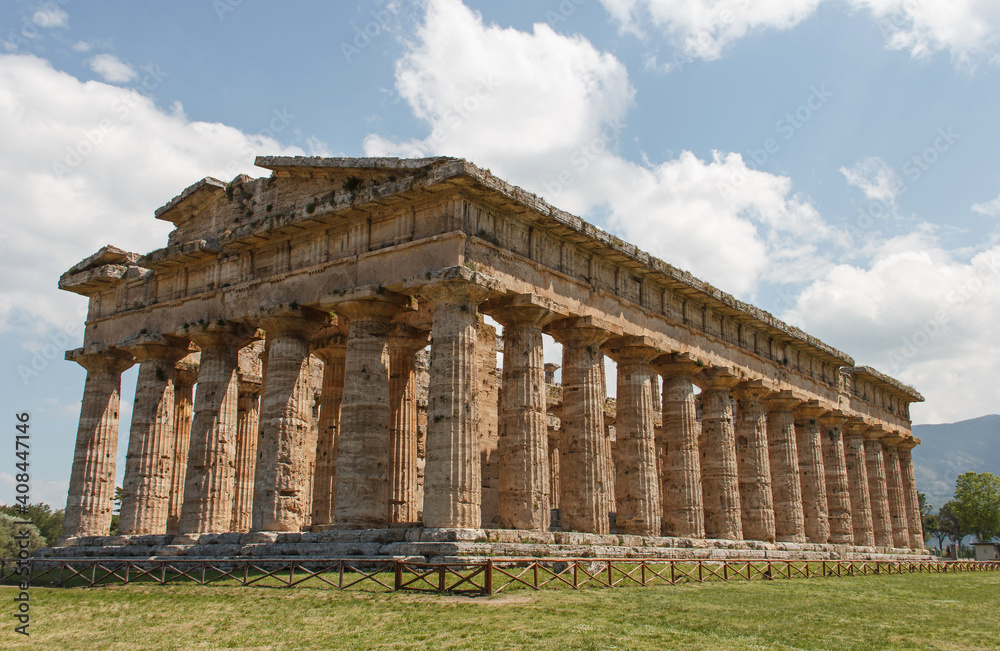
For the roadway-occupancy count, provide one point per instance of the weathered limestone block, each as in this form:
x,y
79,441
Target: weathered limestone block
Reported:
x,y
877,486
838,495
488,424
330,346
857,476
404,343
452,473
719,475
786,489
585,490
683,511
247,429
149,462
210,477
185,377
894,484
756,499
812,475
637,490
92,481
910,496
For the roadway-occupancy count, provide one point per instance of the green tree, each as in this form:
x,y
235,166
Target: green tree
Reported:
x,y
49,522
10,532
948,525
932,529
977,504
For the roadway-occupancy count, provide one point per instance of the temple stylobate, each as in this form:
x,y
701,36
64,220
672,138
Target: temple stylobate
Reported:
x,y
313,357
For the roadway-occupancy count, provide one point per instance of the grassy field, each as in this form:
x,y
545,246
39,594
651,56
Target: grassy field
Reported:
x,y
954,611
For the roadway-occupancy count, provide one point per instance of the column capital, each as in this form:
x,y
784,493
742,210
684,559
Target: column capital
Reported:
x,y
455,286
292,320
407,339
751,390
717,378
165,348
101,359
641,349
892,439
833,418
908,443
677,365
581,330
522,309
220,334
874,433
855,425
782,401
187,369
810,410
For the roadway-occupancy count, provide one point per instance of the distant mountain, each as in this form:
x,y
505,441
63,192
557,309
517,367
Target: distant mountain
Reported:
x,y
948,450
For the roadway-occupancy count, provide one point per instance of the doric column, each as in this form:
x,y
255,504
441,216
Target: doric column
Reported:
x,y
150,457
210,478
185,377
910,496
838,494
786,489
553,468
330,346
683,510
247,429
857,477
719,476
812,476
756,500
637,490
523,445
363,445
585,490
404,343
877,489
452,472
894,485
92,480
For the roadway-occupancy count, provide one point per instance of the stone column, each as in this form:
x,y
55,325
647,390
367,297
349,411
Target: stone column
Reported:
x,y
756,499
812,475
553,468
786,489
209,481
838,495
894,485
857,477
523,446
92,480
719,476
184,379
452,472
330,346
910,496
404,344
683,510
247,429
877,489
150,457
637,489
585,488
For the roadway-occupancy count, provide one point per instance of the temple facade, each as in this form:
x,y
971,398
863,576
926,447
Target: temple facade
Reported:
x,y
312,355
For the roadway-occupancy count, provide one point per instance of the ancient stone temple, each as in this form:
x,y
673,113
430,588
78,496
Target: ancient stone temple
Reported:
x,y
313,360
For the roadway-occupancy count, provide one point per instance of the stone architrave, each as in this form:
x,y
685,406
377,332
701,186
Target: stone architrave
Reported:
x,y
404,344
786,489
524,438
857,476
92,481
812,475
452,471
330,346
910,496
878,489
586,496
838,495
149,461
894,485
637,484
185,376
756,498
719,474
247,429
210,478
683,510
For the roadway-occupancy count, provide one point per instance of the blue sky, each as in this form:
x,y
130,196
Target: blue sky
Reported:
x,y
832,161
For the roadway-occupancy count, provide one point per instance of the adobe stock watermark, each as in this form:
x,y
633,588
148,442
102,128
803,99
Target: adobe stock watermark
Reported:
x,y
40,18
455,116
57,342
224,7
582,158
562,12
278,123
381,23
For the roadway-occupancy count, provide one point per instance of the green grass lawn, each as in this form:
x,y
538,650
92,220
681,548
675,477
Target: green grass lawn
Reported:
x,y
918,611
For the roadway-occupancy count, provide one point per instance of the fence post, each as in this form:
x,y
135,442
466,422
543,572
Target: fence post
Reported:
x,y
488,579
398,575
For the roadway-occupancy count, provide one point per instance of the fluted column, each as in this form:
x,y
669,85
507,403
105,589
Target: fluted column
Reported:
x,y
404,343
910,496
812,475
756,499
247,428
452,472
150,458
838,495
877,488
637,489
894,484
553,468
683,509
523,446
185,377
92,480
211,473
585,492
331,347
786,489
857,477
719,474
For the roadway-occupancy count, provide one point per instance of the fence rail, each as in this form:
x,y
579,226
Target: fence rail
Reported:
x,y
479,578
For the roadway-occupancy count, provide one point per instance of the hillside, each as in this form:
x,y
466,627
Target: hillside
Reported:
x,y
950,449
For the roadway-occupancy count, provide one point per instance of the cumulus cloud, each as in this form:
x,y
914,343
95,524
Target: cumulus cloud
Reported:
x,y
988,208
112,69
875,178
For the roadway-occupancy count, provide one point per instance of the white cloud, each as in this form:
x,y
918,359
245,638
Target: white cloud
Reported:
x,y
112,69
875,178
50,17
989,208
82,46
